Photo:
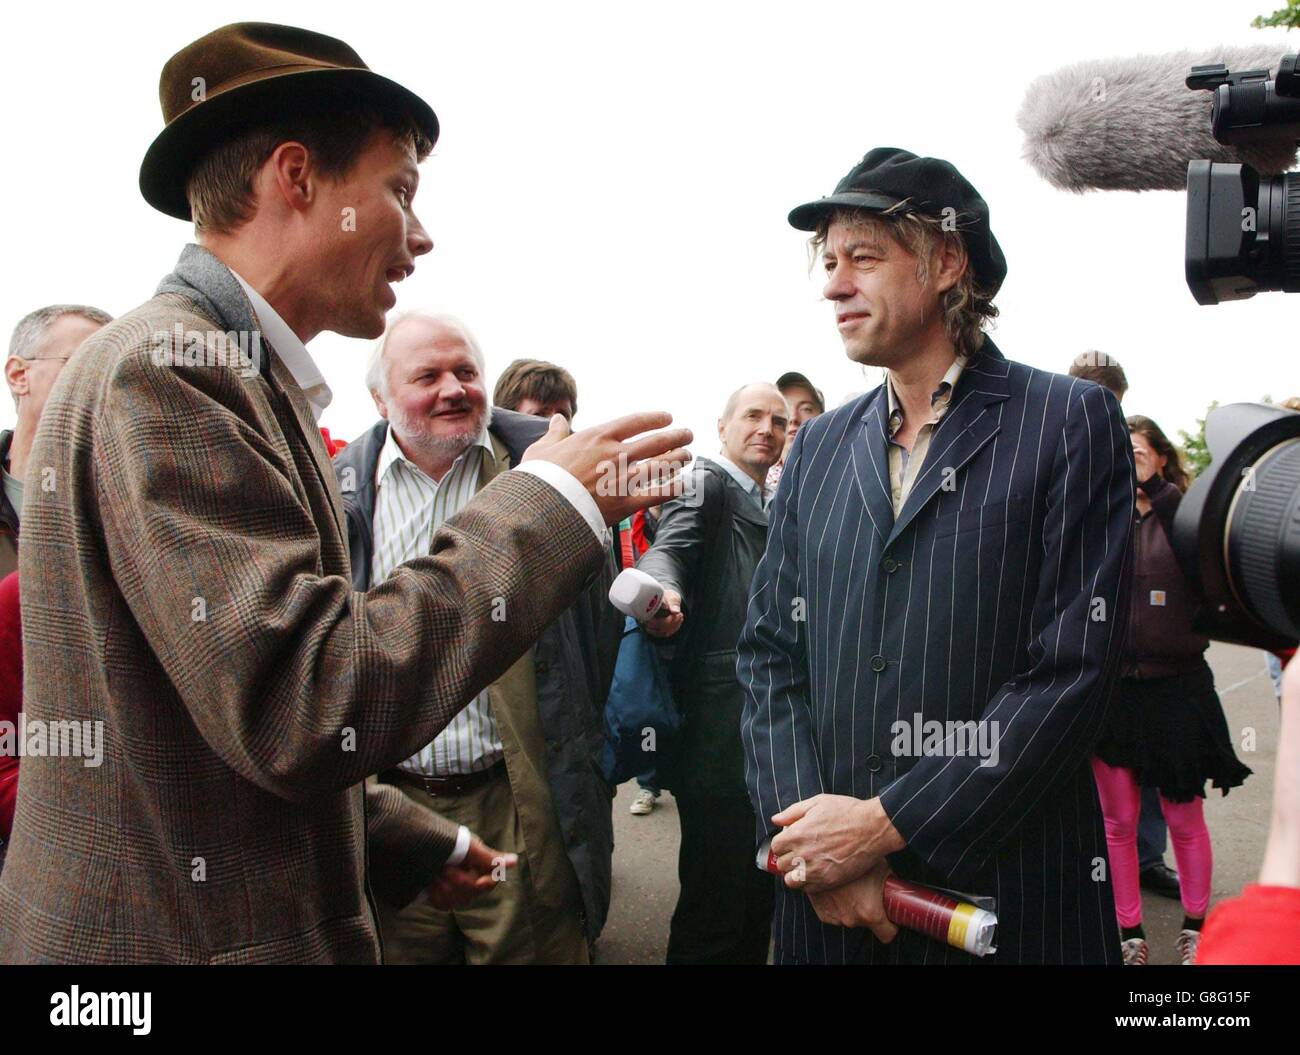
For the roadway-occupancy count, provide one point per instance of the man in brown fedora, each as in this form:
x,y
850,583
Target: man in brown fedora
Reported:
x,y
185,569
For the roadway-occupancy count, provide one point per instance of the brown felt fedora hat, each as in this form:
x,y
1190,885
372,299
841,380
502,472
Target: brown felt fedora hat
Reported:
x,y
242,74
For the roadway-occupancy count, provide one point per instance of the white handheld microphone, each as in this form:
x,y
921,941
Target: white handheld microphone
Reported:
x,y
636,594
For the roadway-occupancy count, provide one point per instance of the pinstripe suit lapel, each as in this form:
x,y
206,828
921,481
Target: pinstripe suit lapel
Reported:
x,y
868,449
970,423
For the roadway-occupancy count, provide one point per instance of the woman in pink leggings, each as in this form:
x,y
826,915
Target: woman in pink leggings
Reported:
x,y
1165,728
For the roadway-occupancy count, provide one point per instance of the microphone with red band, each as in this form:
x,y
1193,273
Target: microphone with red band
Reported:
x,y
637,594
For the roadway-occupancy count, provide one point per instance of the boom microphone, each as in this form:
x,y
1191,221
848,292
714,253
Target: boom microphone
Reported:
x,y
1133,124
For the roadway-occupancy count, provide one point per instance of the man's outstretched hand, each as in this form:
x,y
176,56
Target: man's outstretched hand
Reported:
x,y
481,870
622,470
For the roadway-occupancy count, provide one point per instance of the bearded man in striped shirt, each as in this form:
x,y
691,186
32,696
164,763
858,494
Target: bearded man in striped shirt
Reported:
x,y
516,767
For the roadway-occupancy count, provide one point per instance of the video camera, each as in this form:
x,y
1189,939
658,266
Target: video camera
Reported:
x,y
1237,531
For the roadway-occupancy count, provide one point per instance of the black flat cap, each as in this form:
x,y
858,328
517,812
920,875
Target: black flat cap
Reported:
x,y
888,177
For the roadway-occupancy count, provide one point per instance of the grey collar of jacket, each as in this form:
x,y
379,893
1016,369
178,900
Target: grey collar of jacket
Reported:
x,y
202,278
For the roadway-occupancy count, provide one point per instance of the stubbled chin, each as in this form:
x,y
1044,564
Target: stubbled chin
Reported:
x,y
443,432
860,354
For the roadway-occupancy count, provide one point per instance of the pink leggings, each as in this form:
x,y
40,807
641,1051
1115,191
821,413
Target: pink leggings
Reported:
x,y
1120,799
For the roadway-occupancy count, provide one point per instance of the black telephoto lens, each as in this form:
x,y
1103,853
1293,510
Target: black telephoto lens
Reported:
x,y
1262,540
1243,232
1237,532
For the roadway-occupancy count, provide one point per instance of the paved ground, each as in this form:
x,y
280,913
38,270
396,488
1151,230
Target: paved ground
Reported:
x,y
645,854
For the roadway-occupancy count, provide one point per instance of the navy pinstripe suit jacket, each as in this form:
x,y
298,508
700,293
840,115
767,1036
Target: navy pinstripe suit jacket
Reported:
x,y
998,594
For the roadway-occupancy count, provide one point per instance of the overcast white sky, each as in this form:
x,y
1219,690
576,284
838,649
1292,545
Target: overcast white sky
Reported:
x,y
611,184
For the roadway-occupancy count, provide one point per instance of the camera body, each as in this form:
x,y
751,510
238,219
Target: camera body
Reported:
x,y
1237,531
1243,229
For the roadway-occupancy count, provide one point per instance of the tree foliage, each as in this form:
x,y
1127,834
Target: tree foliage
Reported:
x,y
1196,456
1287,17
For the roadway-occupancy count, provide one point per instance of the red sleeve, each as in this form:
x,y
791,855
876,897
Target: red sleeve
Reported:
x,y
332,446
1260,926
11,693
639,544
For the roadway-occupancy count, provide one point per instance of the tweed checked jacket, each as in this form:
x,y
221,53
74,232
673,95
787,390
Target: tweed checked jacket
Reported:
x,y
998,597
186,583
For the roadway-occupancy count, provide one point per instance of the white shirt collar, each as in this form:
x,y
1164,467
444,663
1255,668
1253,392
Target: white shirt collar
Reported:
x,y
738,474
391,452
292,352
940,397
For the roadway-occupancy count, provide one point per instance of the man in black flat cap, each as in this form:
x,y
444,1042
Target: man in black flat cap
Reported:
x,y
934,626
193,547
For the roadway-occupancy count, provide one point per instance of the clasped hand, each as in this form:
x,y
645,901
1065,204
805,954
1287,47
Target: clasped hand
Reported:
x,y
833,847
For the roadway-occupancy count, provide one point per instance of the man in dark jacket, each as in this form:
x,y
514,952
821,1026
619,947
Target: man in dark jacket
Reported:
x,y
705,551
519,765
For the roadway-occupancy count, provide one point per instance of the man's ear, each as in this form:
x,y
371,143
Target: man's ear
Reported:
x,y
379,405
949,262
16,376
722,427
290,175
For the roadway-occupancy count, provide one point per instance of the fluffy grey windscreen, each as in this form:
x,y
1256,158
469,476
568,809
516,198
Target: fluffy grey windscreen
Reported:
x,y
1133,124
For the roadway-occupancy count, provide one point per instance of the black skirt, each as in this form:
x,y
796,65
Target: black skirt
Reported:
x,y
1172,733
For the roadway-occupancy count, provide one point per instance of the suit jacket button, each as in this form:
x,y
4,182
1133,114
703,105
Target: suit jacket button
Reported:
x,y
541,666
873,763
878,663
890,565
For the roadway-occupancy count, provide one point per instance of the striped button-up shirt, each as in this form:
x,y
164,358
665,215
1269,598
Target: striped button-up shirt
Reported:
x,y
409,508
904,465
